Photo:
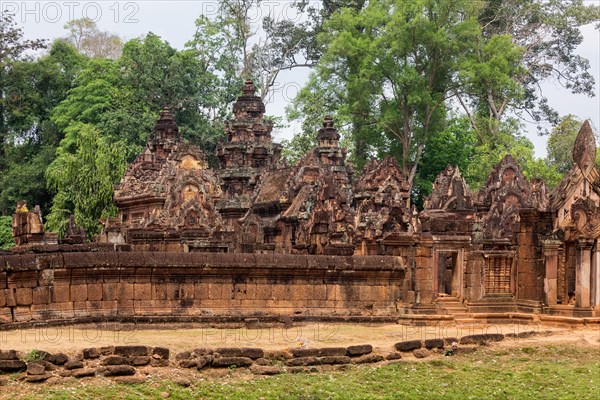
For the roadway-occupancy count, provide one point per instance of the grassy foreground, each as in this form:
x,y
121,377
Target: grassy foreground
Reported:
x,y
549,372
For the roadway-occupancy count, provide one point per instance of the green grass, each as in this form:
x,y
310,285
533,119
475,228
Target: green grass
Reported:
x,y
549,372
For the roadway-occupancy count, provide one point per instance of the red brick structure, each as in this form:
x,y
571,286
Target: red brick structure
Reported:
x,y
256,238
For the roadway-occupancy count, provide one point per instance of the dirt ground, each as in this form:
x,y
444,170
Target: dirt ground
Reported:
x,y
72,339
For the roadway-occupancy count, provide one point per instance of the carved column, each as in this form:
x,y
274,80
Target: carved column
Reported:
x,y
595,281
583,272
551,263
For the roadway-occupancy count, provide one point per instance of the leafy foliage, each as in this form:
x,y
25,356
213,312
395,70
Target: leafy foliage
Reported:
x,y
6,238
84,180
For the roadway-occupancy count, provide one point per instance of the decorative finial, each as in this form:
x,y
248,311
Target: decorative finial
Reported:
x,y
249,89
328,135
584,149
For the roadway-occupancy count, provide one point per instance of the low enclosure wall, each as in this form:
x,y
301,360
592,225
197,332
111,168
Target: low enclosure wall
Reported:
x,y
114,285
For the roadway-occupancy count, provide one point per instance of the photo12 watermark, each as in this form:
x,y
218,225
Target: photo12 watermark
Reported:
x,y
61,12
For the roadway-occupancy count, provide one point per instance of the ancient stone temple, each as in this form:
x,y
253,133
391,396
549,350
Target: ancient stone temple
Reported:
x,y
246,154
257,238
167,198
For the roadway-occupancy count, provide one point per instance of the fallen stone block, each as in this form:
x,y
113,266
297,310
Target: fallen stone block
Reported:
x,y
359,350
12,365
421,353
305,352
434,344
9,355
34,368
368,359
118,370
203,362
302,361
91,353
332,351
335,360
161,353
409,345
279,355
226,362
74,364
184,355
115,360
201,352
229,351
129,351
60,359
84,373
482,338
252,352
138,361
394,355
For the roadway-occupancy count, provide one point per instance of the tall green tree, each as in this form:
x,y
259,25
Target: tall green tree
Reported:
x,y
84,180
561,141
33,88
12,48
547,33
399,63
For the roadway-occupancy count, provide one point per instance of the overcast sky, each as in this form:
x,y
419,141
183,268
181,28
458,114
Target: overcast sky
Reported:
x,y
174,22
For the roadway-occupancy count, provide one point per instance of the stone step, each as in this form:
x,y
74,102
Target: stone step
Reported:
x,y
446,299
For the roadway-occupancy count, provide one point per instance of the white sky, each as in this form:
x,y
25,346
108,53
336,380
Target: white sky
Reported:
x,y
174,22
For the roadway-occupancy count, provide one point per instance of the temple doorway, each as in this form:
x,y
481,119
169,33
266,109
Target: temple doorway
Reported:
x,y
448,277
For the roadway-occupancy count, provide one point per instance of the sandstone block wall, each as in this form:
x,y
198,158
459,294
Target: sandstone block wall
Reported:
x,y
57,286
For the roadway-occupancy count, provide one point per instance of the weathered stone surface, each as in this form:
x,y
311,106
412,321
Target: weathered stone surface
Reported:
x,y
118,370
115,360
421,353
482,338
302,361
359,350
393,356
333,360
73,364
161,353
434,344
332,351
84,372
409,345
12,365
225,362
34,368
368,359
184,355
252,352
229,351
8,355
91,353
279,355
139,360
463,350
128,351
305,352
203,362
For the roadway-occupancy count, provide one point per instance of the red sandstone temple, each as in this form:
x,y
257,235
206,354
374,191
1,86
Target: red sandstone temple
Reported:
x,y
256,238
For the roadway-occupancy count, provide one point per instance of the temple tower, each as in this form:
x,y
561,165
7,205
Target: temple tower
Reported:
x,y
246,154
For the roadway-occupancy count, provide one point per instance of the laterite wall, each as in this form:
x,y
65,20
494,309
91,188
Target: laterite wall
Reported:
x,y
113,285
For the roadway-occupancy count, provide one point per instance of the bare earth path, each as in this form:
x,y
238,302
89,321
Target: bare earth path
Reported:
x,y
381,336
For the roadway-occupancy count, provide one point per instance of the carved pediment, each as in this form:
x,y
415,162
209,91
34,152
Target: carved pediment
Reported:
x,y
450,192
